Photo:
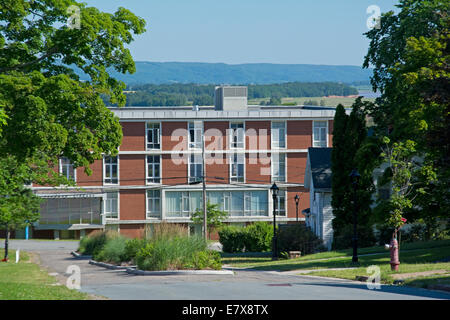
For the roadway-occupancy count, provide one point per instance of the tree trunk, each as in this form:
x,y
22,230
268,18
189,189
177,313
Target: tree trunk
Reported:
x,y
6,242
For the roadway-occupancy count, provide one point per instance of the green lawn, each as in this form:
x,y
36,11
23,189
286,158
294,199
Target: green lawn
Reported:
x,y
26,281
335,258
414,257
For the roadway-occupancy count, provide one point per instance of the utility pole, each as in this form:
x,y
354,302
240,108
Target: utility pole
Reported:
x,y
205,225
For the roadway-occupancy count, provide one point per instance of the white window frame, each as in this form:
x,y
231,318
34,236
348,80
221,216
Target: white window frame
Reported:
x,y
272,140
235,178
148,214
316,143
274,162
154,179
277,212
70,164
234,132
197,157
197,126
104,171
158,136
118,205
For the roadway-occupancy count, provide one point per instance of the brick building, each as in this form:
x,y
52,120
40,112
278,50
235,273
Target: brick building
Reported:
x,y
157,173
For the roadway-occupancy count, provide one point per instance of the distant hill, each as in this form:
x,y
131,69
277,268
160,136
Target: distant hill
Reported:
x,y
253,73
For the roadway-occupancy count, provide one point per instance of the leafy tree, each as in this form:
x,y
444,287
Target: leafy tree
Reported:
x,y
214,217
45,110
410,55
18,205
349,135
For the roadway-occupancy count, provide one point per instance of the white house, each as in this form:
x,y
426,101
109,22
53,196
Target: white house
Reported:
x,y
318,180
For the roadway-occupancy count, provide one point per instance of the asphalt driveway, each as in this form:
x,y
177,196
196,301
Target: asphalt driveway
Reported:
x,y
244,285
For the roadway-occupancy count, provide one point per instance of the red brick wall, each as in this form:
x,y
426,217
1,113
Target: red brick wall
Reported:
x,y
257,125
296,166
210,142
133,136
95,179
171,169
303,203
299,134
167,129
215,169
132,205
132,169
253,173
132,230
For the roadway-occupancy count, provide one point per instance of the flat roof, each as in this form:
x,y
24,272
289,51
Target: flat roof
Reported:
x,y
208,112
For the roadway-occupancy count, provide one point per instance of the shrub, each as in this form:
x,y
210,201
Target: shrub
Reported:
x,y
132,246
258,237
94,242
165,253
298,237
113,251
165,230
232,239
342,239
206,259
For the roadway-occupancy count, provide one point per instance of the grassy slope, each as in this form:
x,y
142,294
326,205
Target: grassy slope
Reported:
x,y
26,281
329,102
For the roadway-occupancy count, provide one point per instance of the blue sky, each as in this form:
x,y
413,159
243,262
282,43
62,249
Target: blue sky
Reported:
x,y
251,31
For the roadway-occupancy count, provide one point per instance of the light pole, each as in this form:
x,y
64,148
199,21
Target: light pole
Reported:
x,y
354,175
274,190
297,199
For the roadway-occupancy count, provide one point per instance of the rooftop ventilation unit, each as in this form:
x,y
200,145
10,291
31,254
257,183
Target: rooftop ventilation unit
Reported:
x,y
231,98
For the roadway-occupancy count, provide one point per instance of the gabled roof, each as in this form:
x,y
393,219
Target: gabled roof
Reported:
x,y
319,168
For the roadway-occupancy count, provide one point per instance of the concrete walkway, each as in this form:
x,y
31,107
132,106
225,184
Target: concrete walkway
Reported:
x,y
244,285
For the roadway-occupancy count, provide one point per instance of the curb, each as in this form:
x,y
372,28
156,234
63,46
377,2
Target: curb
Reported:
x,y
80,256
108,265
178,272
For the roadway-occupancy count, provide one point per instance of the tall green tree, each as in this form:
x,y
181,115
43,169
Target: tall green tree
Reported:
x,y
410,56
349,135
46,111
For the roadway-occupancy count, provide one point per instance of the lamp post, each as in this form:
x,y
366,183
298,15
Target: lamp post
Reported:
x,y
354,175
274,190
297,199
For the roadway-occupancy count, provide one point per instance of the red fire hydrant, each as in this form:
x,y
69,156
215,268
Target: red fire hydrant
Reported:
x,y
393,246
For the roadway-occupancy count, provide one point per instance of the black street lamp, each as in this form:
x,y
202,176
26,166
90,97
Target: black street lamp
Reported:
x,y
354,175
297,199
274,190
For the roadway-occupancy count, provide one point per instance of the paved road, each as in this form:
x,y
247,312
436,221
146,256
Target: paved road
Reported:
x,y
244,285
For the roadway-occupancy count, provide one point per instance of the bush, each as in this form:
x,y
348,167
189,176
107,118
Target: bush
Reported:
x,y
232,239
343,239
170,253
94,242
113,251
258,237
132,246
298,237
207,259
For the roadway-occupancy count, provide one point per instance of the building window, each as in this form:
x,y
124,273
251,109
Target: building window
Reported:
x,y
320,129
153,135
154,169
111,167
67,169
195,134
237,167
182,203
278,167
281,203
195,168
237,135
278,134
112,205
153,203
